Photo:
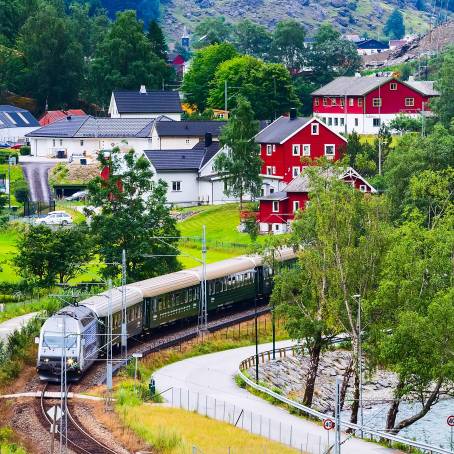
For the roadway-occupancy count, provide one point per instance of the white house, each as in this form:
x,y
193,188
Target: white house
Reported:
x,y
16,123
145,104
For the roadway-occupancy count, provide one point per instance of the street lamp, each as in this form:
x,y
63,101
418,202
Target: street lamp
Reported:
x,y
357,298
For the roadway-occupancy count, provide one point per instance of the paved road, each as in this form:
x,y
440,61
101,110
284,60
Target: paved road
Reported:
x,y
13,324
37,175
213,376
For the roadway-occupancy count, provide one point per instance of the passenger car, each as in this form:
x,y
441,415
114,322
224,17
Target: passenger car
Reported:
x,y
55,218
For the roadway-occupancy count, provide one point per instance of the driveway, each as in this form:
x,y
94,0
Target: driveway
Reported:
x,y
37,176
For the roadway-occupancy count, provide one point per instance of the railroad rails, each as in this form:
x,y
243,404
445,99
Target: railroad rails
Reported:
x,y
75,437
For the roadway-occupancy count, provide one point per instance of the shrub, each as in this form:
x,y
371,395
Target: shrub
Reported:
x,y
25,150
5,153
21,193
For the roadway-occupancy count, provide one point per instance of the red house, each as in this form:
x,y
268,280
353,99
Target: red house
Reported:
x,y
290,143
277,210
363,104
52,116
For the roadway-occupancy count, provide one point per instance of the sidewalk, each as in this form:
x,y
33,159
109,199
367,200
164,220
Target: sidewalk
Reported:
x,y
13,324
213,375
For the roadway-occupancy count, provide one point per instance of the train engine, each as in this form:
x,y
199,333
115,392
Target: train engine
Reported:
x,y
70,338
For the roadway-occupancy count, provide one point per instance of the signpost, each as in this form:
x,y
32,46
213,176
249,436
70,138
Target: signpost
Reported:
x,y
136,356
328,424
450,421
55,413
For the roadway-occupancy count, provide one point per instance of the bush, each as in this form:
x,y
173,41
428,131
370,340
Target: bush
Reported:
x,y
25,150
21,193
5,152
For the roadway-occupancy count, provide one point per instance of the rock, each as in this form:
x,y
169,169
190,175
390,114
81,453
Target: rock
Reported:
x,y
337,3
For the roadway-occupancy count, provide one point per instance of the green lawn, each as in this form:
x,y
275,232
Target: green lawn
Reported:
x,y
17,178
8,239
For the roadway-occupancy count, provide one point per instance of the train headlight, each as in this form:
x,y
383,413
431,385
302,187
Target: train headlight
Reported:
x,y
70,361
46,360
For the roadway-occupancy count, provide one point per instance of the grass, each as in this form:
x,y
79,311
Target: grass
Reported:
x,y
17,179
7,444
17,309
8,240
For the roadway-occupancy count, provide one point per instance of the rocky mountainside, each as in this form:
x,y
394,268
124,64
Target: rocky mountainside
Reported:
x,y
350,16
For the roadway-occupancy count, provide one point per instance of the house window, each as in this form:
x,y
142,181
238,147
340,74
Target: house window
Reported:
x,y
351,102
295,149
276,227
269,150
176,186
393,86
376,122
330,121
356,122
325,101
409,102
314,129
363,188
342,102
296,205
269,170
376,102
329,150
360,102
295,171
187,140
316,101
307,149
274,170
342,121
53,143
275,206
336,121
81,143
61,142
271,190
333,101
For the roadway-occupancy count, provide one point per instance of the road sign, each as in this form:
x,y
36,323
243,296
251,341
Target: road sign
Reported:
x,y
137,355
450,420
54,412
328,424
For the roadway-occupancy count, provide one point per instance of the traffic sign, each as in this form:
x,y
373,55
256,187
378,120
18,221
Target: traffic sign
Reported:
x,y
55,413
137,355
328,424
450,420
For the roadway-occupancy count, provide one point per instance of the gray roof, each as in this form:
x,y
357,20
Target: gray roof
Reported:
x,y
189,128
15,117
280,195
371,44
148,102
182,160
360,86
280,129
87,126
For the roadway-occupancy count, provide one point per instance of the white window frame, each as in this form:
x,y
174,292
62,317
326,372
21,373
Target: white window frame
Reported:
x,y
351,102
176,186
295,171
356,121
393,86
275,206
81,142
333,101
409,102
306,149
330,121
341,121
330,155
269,150
363,187
360,102
61,142
316,101
376,102
373,122
296,205
336,121
296,149
325,101
269,170
316,131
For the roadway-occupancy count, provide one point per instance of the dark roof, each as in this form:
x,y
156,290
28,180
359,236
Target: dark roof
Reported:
x,y
189,128
371,44
182,160
87,126
148,102
280,129
15,117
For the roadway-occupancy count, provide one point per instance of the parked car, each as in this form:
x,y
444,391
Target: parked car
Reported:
x,y
55,218
17,146
4,145
79,195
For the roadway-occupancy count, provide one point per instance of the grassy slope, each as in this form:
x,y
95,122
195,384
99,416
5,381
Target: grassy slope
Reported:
x,y
17,176
8,239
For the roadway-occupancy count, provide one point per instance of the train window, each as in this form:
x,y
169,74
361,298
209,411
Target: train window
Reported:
x,y
218,286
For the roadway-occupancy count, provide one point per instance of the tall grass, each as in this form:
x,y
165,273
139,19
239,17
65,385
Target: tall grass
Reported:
x,y
7,444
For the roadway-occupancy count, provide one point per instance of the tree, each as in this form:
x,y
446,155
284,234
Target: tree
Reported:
x,y
254,80
404,123
211,30
252,39
288,45
240,166
444,105
361,155
197,80
394,26
157,40
125,59
133,213
53,58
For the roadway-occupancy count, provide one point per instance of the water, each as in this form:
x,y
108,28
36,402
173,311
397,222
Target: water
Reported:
x,y
432,429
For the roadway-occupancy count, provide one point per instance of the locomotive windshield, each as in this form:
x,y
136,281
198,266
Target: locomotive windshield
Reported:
x,y
56,341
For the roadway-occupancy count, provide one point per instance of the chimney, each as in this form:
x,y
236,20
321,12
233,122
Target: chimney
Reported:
x,y
208,139
143,89
411,78
292,113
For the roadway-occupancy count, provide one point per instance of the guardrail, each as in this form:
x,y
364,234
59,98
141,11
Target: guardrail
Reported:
x,y
380,434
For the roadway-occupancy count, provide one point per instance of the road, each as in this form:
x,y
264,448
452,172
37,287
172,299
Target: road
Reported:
x,y
13,324
212,377
37,176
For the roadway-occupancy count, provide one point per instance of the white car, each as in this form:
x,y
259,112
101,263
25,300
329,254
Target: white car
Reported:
x,y
55,218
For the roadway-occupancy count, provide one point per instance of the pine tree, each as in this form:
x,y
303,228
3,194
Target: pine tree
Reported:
x,y
395,27
157,40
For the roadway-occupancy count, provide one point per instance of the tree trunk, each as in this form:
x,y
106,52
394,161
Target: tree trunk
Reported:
x,y
347,375
355,403
312,371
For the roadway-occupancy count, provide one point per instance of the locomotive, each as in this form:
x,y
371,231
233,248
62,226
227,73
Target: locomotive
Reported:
x,y
78,335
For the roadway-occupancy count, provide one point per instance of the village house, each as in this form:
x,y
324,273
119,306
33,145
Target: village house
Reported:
x,y
15,124
290,143
370,46
277,210
363,104
145,104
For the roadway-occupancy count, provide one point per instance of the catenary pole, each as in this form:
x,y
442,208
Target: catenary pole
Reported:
x,y
124,319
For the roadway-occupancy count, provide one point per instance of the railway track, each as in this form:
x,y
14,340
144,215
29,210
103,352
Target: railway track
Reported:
x,y
75,437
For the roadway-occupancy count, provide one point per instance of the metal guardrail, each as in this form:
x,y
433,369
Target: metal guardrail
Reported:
x,y
282,352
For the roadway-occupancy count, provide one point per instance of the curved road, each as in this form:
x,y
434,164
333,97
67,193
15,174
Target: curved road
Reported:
x,y
212,377
37,176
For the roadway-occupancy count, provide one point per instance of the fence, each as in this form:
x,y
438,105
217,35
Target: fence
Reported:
x,y
239,417
38,208
373,434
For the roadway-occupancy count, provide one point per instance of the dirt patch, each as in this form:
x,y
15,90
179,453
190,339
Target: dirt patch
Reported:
x,y
85,173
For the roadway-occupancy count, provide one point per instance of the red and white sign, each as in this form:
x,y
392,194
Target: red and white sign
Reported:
x,y
328,424
450,420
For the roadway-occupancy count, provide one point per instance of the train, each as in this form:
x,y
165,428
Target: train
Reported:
x,y
76,336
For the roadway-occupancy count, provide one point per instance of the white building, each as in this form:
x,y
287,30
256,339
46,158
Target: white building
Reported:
x,y
145,104
16,123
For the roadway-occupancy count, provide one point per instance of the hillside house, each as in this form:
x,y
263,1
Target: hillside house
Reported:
x,y
145,104
290,143
16,123
370,46
277,210
363,104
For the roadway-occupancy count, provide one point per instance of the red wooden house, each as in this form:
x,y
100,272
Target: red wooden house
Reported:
x,y
51,116
363,104
290,143
277,210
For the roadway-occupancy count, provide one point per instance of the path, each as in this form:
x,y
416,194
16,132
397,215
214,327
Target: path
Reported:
x,y
37,176
212,375
13,324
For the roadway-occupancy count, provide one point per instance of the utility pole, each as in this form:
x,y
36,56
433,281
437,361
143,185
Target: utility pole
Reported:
x,y
337,434
109,347
203,317
360,365
225,96
124,319
273,314
9,183
379,136
256,335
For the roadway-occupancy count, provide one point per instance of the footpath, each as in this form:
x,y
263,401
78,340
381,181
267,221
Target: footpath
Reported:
x,y
212,377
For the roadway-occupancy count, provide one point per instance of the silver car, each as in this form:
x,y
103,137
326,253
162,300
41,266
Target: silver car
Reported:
x,y
55,218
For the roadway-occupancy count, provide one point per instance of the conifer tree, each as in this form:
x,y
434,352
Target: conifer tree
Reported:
x,y
157,40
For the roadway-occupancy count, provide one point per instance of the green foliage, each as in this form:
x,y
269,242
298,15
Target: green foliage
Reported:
x,y
133,211
7,445
252,39
157,40
240,166
361,155
444,105
394,27
288,44
25,150
21,193
197,80
404,123
211,30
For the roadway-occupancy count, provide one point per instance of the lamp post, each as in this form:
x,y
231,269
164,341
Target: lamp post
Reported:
x,y
360,363
256,339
